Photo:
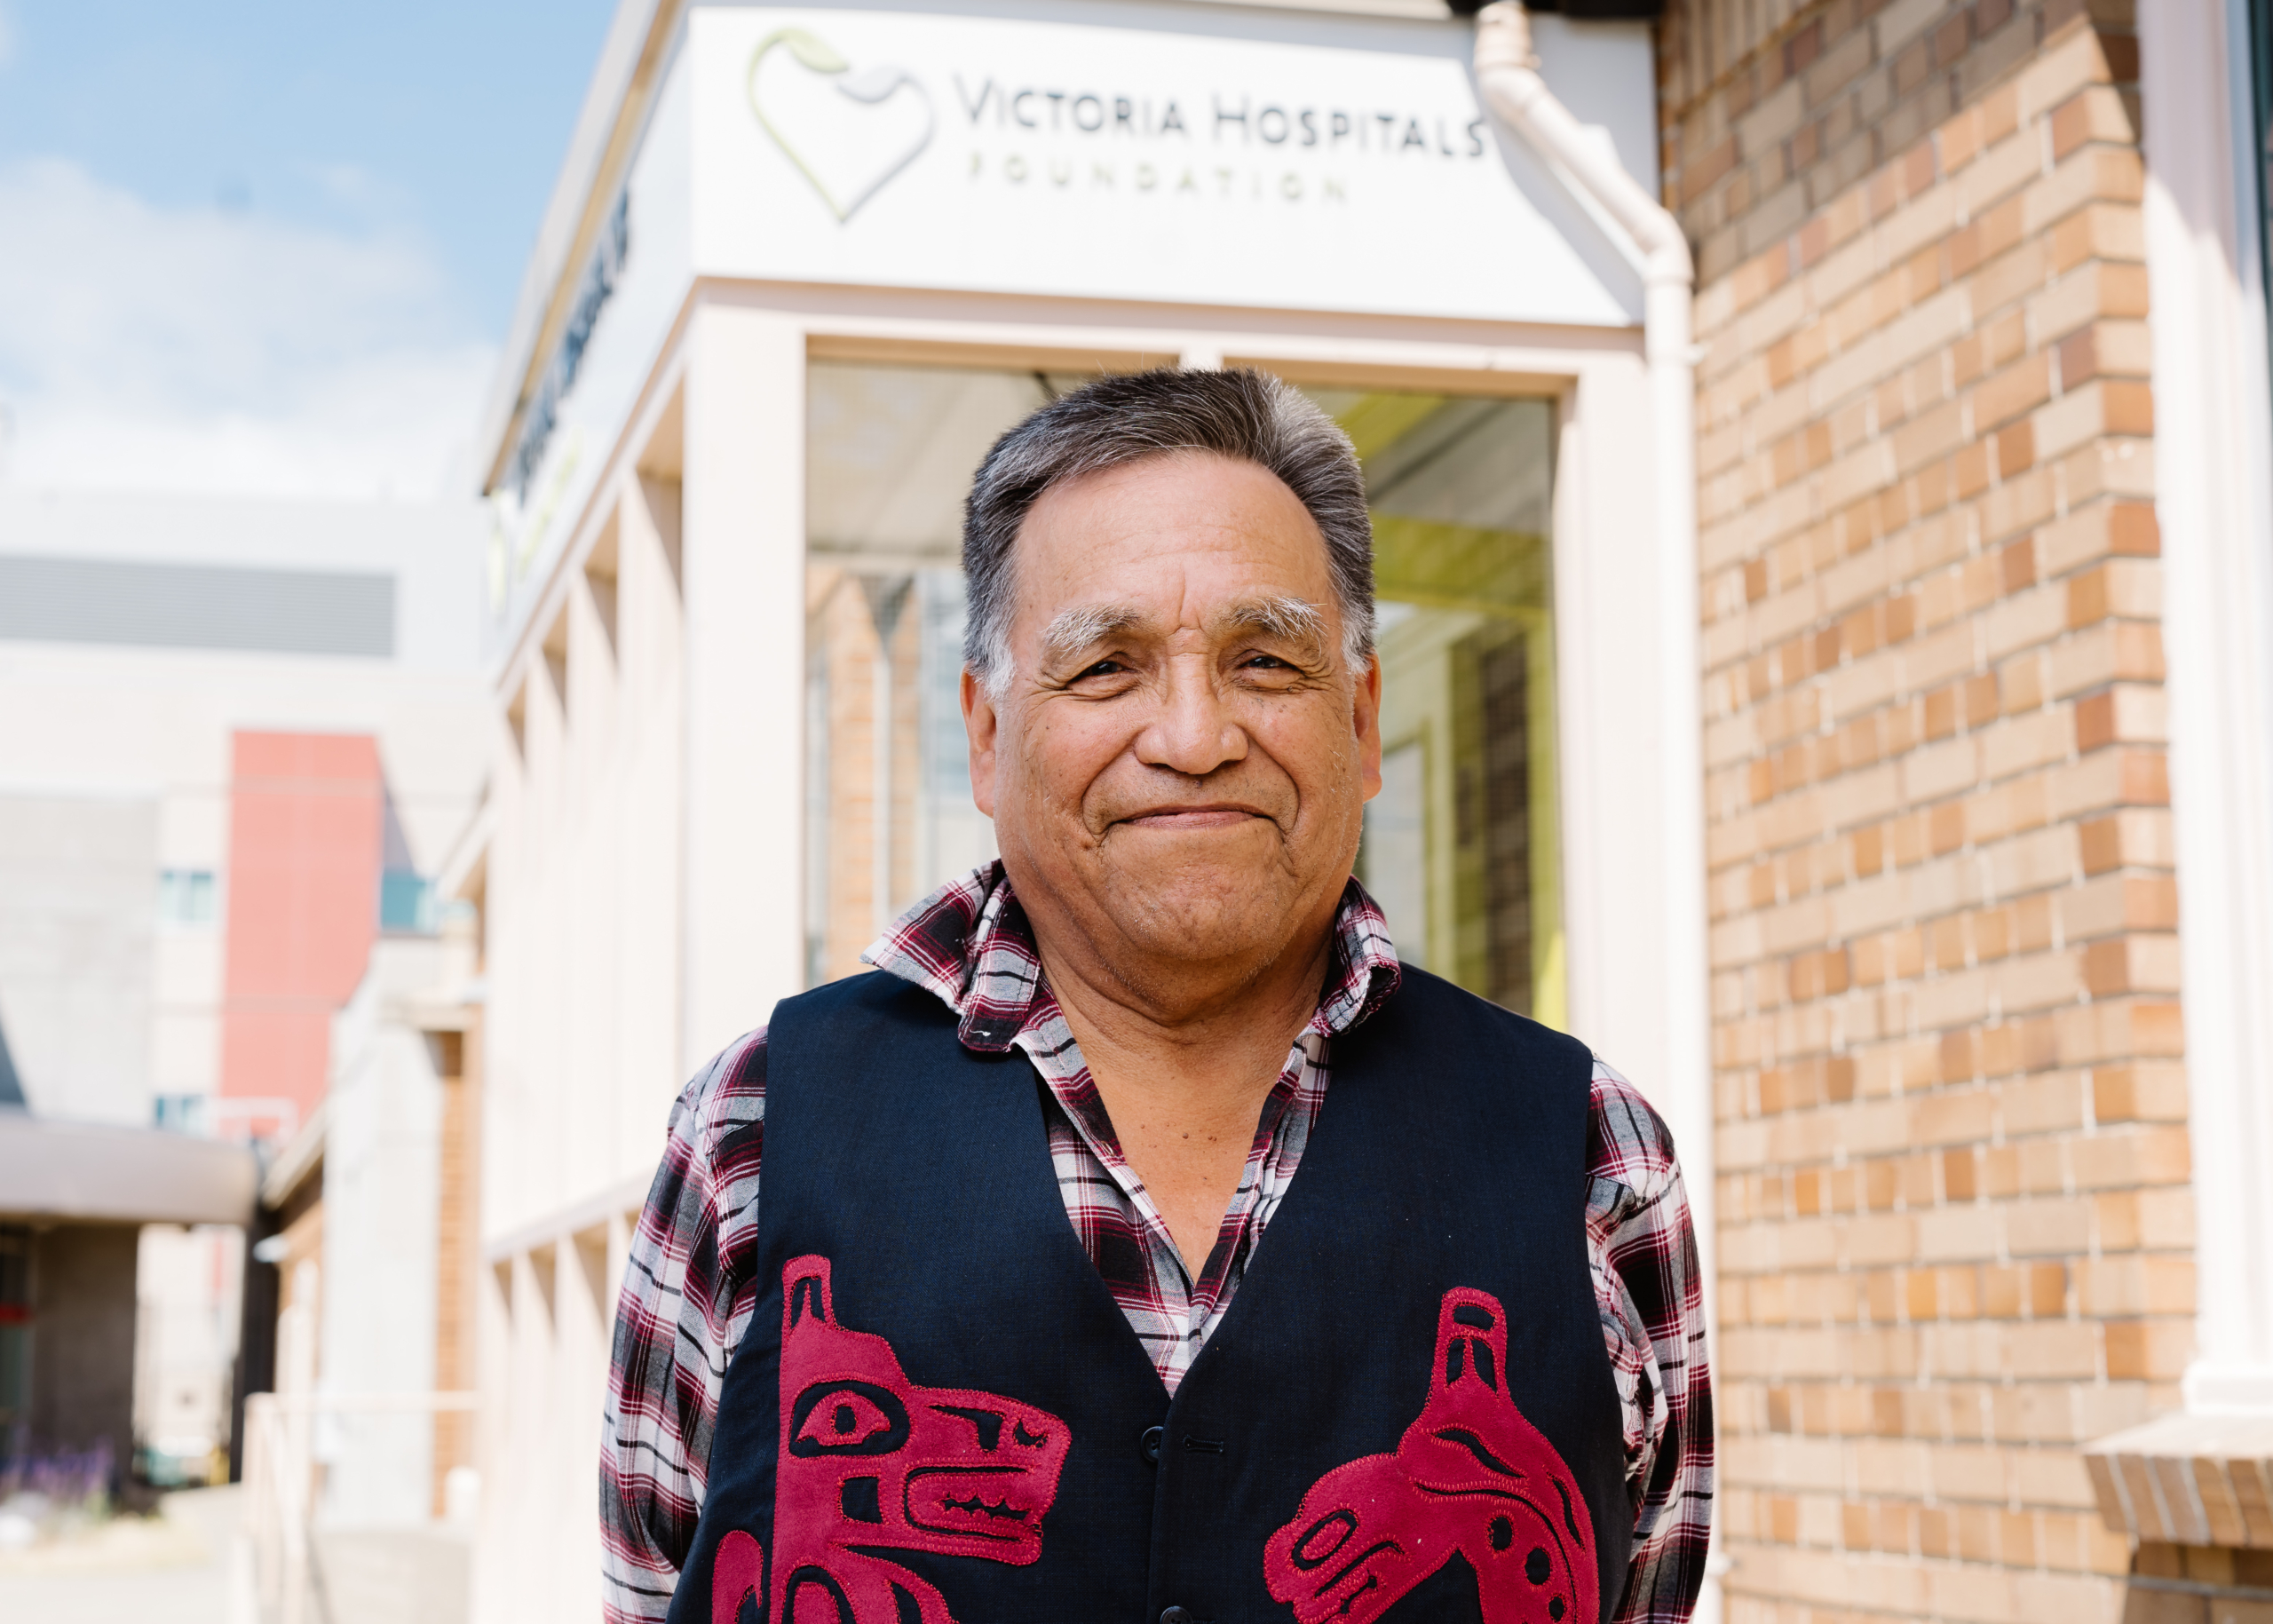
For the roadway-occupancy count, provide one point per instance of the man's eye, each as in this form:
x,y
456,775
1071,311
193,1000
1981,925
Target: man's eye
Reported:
x,y
1267,662
1103,667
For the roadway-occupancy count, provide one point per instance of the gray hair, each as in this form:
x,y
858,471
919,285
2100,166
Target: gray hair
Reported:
x,y
1242,413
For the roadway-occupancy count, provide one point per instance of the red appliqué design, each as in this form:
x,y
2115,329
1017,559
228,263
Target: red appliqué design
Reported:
x,y
1471,1476
871,1462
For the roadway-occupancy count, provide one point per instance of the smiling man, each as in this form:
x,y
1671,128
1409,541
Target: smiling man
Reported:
x,y
1142,1240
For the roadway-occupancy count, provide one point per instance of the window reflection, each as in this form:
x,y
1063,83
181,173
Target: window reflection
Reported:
x,y
1461,848
889,817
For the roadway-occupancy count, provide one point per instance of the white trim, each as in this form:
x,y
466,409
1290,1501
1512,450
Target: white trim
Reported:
x,y
2213,442
567,1221
1663,686
300,1155
742,550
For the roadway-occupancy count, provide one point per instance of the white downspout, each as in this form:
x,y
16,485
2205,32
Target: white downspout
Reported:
x,y
1507,75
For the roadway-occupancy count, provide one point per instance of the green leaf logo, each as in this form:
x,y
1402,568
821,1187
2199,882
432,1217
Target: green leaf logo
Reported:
x,y
809,49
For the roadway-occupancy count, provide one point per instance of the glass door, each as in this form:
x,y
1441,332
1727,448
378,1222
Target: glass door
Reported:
x,y
1461,847
889,817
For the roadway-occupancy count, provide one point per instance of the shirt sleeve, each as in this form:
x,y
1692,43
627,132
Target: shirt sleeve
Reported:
x,y
687,1298
1649,1290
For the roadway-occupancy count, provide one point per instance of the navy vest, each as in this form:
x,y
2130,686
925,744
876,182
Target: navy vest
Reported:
x,y
939,1414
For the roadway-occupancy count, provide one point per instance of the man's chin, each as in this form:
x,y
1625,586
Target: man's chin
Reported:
x,y
1202,911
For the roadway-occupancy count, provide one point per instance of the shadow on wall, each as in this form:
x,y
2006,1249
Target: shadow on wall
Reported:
x,y
65,1419
2187,1584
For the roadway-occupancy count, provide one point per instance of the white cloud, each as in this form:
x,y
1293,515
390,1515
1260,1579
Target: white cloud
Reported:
x,y
199,349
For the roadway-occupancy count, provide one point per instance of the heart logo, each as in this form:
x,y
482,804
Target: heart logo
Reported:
x,y
854,132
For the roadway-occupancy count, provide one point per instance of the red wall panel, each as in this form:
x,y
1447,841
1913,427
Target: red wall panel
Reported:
x,y
306,821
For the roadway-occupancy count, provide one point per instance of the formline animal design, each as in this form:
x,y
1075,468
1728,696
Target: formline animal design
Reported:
x,y
870,1463
1471,1478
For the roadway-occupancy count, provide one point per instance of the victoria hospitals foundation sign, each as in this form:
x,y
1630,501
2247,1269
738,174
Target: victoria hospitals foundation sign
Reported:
x,y
1148,153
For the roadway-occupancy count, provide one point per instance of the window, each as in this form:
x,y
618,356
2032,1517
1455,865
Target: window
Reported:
x,y
187,897
186,1113
407,904
1461,847
889,817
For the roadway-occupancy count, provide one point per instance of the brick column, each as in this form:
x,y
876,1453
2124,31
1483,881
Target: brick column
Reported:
x,y
1955,1229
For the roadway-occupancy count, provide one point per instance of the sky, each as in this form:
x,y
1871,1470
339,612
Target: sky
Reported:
x,y
265,248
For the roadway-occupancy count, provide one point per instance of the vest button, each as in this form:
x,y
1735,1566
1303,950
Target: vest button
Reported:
x,y
1151,1446
1177,1615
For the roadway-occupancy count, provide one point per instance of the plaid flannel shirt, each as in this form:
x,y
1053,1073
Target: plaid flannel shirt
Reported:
x,y
690,1289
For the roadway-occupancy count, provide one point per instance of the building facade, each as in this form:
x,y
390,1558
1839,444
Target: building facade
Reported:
x,y
235,748
236,740
767,336
1856,724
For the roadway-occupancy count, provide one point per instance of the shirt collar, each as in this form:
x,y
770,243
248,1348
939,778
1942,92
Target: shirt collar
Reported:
x,y
969,944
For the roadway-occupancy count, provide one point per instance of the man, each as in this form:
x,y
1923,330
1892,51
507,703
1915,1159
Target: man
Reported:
x,y
1141,1242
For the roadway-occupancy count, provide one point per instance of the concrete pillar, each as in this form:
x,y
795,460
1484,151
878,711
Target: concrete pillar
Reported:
x,y
743,516
1615,787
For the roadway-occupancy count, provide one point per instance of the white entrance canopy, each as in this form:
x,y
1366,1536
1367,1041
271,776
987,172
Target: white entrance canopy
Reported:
x,y
1102,157
89,1173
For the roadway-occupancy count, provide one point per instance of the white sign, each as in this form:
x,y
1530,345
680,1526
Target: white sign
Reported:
x,y
1233,158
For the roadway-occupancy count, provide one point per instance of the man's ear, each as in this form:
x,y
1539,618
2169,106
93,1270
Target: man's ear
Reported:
x,y
979,725
1366,719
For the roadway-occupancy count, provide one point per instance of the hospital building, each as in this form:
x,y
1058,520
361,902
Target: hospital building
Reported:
x,y
1821,460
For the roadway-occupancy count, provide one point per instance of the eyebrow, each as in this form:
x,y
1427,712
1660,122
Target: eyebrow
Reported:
x,y
1076,629
1289,619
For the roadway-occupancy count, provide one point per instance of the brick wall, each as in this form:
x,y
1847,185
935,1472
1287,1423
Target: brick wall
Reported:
x,y
1955,1227
457,1249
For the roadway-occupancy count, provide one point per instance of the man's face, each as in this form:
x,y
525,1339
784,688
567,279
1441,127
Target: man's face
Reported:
x,y
1178,766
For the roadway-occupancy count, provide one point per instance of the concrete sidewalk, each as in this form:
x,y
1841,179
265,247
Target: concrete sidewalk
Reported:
x,y
175,1567
131,1570
392,1576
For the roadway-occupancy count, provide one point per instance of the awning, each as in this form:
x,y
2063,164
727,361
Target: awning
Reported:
x,y
90,1173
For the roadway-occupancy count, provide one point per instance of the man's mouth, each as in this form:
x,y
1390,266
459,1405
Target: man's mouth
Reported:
x,y
1180,819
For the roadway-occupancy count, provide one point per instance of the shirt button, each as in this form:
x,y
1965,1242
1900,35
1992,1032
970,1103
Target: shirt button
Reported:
x,y
1150,1443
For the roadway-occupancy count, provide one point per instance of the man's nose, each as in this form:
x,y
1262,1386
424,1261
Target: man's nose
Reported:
x,y
1193,731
